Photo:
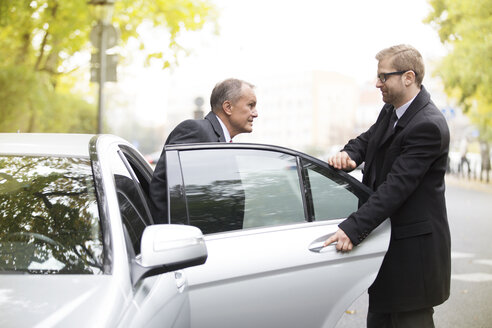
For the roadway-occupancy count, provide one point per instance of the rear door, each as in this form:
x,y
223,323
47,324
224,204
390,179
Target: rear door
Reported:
x,y
266,212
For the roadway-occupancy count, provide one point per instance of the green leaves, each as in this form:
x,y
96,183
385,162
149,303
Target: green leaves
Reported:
x,y
30,104
38,39
466,27
175,16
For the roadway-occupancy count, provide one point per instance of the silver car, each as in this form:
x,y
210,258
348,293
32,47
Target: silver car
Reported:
x,y
265,212
77,243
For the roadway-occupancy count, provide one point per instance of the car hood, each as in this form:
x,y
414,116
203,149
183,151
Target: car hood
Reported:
x,y
58,300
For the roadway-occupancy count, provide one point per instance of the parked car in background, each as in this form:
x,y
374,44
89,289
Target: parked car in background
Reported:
x,y
153,158
77,243
264,211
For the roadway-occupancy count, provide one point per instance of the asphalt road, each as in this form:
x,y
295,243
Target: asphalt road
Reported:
x,y
469,205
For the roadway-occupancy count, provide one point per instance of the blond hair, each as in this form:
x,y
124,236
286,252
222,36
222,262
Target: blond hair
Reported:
x,y
405,58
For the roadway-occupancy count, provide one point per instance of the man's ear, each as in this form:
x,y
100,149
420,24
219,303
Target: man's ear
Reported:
x,y
227,107
409,78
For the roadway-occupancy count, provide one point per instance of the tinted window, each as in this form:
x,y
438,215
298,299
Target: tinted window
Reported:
x,y
231,189
332,196
49,220
132,205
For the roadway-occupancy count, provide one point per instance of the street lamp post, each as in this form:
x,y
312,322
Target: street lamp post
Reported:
x,y
102,11
198,113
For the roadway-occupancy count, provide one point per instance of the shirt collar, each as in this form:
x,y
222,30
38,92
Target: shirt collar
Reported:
x,y
401,110
227,136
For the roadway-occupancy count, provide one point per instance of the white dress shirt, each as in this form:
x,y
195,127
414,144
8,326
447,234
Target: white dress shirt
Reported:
x,y
227,136
402,109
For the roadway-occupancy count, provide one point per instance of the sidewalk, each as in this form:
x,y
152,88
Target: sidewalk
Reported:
x,y
453,180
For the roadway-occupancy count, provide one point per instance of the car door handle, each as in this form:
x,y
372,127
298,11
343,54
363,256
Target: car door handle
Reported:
x,y
180,279
318,247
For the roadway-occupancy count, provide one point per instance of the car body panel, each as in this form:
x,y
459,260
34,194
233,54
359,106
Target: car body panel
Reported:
x,y
90,301
277,275
271,278
110,298
58,300
159,301
45,144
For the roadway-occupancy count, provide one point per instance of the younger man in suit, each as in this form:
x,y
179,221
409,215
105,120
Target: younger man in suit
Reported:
x,y
405,154
233,105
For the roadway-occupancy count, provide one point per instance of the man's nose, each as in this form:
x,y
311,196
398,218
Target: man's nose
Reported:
x,y
254,112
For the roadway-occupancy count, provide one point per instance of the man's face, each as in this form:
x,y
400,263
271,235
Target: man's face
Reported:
x,y
393,89
243,112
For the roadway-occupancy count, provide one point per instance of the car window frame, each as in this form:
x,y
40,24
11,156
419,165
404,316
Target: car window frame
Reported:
x,y
253,150
137,184
361,191
139,172
102,205
140,166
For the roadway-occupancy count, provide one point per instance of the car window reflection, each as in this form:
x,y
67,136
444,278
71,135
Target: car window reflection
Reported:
x,y
230,189
49,219
332,197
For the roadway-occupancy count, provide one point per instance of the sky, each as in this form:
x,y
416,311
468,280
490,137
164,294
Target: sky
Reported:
x,y
270,35
261,38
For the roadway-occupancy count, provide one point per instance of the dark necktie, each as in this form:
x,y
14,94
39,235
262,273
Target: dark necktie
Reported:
x,y
392,121
391,125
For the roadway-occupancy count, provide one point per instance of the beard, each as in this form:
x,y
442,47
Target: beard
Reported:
x,y
392,97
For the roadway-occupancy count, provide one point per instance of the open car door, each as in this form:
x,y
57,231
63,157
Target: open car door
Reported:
x,y
265,212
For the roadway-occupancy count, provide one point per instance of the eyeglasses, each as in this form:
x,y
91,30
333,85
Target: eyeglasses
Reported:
x,y
384,76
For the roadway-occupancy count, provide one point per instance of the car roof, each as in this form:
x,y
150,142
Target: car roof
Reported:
x,y
53,144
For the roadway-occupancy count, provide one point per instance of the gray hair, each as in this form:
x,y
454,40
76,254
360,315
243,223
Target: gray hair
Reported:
x,y
405,58
229,89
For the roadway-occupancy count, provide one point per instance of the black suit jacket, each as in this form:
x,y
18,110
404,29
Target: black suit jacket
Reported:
x,y
189,131
196,131
406,169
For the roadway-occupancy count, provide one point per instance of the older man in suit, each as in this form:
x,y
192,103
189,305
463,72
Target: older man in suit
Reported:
x,y
405,154
233,104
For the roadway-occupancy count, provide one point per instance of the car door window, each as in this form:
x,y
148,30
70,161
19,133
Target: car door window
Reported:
x,y
230,189
133,207
332,197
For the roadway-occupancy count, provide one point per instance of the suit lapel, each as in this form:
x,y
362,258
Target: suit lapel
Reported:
x,y
372,147
384,133
381,137
379,131
216,126
418,103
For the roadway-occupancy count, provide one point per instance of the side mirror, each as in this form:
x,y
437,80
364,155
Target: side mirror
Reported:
x,y
168,247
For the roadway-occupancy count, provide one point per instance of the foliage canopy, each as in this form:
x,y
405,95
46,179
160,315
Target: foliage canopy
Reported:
x,y
466,27
39,39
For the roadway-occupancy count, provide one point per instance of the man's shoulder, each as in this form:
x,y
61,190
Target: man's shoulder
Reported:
x,y
428,121
205,122
189,122
192,131
195,125
430,112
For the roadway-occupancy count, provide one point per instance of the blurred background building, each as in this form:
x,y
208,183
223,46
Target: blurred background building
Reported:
x,y
308,111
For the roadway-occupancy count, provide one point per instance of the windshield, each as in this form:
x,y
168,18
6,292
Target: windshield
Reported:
x,y
49,220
